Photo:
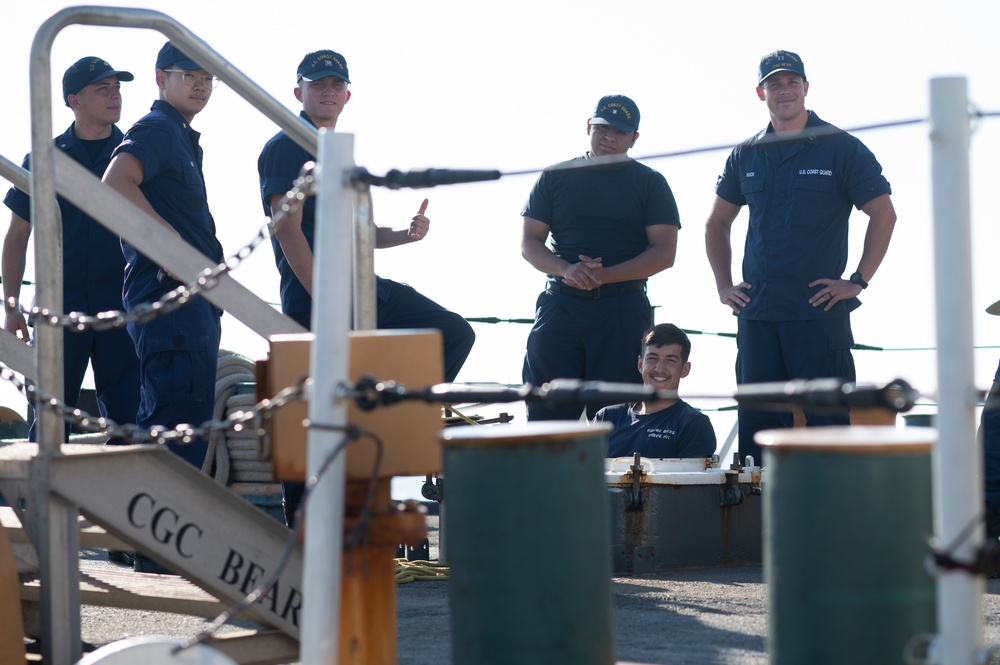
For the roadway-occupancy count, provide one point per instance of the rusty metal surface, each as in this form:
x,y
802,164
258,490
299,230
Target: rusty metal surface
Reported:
x,y
688,518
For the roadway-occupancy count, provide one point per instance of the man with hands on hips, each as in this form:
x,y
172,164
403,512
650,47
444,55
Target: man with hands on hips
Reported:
x,y
800,178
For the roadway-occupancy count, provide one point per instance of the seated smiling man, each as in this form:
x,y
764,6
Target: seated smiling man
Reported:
x,y
661,427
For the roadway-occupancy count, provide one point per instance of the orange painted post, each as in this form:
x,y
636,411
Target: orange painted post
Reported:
x,y
368,586
11,627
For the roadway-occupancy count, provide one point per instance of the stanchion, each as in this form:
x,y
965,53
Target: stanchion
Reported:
x,y
368,601
847,520
529,545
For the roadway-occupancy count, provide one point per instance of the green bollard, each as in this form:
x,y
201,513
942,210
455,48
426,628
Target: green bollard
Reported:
x,y
529,544
847,519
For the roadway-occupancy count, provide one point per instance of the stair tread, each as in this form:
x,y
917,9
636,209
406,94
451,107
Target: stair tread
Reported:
x,y
126,589
91,535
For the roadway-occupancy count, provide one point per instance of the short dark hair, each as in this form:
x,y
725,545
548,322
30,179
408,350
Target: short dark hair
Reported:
x,y
663,334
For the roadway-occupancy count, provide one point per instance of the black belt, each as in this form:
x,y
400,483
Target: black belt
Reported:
x,y
599,292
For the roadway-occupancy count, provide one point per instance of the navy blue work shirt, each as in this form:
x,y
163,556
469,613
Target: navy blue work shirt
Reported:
x,y
174,185
277,168
800,193
601,211
93,265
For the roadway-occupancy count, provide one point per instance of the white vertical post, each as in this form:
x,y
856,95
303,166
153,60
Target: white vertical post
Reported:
x,y
331,321
958,492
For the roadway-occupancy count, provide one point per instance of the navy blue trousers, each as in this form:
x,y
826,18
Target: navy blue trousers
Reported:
x,y
786,350
178,356
402,307
989,430
116,374
581,338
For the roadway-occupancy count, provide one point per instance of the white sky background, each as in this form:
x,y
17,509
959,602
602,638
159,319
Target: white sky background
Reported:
x,y
448,84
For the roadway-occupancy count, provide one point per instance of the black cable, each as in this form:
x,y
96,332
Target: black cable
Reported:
x,y
815,394
944,558
770,138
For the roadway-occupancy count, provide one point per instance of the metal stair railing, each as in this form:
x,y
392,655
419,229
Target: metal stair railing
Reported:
x,y
16,354
54,174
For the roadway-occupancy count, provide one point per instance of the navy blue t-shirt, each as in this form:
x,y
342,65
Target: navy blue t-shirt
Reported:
x,y
174,185
601,211
800,194
680,430
93,265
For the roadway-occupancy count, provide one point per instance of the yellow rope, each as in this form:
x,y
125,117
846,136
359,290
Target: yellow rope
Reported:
x,y
420,571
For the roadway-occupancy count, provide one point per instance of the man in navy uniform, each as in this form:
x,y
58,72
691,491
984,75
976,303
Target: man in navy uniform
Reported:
x,y
321,87
989,432
800,178
158,167
668,427
93,265
613,223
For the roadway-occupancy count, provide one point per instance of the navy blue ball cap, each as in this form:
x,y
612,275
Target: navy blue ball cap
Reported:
x,y
618,111
780,61
171,56
322,64
89,70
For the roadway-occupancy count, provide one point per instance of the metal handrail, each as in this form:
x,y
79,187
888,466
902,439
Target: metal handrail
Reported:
x,y
59,540
15,353
43,175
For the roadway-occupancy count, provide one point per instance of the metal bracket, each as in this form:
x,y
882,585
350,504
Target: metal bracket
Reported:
x,y
635,500
644,560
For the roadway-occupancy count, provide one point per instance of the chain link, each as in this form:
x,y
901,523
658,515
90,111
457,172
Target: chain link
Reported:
x,y
237,421
303,187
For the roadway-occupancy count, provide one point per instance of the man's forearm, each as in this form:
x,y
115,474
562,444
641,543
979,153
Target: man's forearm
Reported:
x,y
386,237
298,254
650,262
720,256
542,258
882,221
12,269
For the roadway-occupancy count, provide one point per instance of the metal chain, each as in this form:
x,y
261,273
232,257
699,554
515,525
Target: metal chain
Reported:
x,y
303,187
237,421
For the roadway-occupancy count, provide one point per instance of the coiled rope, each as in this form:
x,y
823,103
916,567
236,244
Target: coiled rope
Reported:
x,y
420,571
235,455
